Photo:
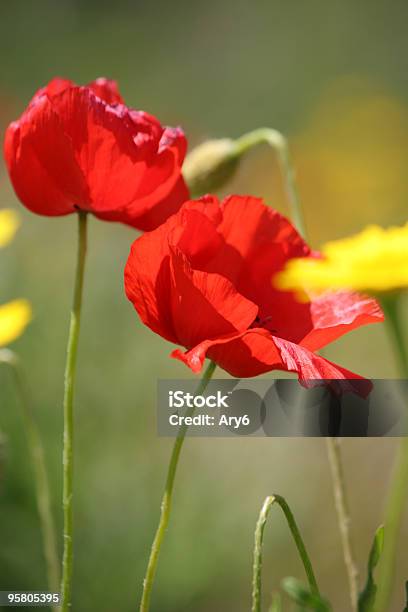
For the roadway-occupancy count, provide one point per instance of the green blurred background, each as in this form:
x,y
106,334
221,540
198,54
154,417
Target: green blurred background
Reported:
x,y
333,76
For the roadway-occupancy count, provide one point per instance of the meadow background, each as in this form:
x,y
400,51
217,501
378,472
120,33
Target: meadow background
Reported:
x,y
333,77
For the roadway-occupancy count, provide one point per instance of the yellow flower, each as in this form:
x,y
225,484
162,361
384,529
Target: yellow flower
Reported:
x,y
9,223
374,261
14,317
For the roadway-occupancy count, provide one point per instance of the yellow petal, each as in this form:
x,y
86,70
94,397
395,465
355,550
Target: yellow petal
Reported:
x,y
374,261
14,317
9,222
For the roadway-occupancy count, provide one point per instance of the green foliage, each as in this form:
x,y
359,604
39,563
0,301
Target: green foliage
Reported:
x,y
367,596
301,594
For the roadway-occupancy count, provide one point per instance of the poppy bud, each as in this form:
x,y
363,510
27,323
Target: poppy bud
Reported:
x,y
211,165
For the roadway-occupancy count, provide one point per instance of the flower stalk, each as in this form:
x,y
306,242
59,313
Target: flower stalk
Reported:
x,y
70,375
41,481
277,141
259,532
279,144
168,497
399,481
343,516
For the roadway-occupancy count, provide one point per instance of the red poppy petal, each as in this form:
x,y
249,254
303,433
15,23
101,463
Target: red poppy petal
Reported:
x,y
107,90
194,358
205,305
69,137
196,237
173,138
209,205
208,305
256,352
153,217
81,147
54,87
147,280
258,242
335,314
69,149
41,162
147,272
163,169
310,366
102,138
248,225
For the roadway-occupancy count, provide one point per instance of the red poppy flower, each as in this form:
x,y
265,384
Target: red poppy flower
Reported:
x,y
82,148
203,280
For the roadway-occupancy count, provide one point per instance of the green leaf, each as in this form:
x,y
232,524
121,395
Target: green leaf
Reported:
x,y
302,595
367,596
376,549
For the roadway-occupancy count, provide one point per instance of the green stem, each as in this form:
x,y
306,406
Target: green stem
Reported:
x,y
399,481
259,531
278,142
167,498
70,372
276,603
343,516
42,486
390,306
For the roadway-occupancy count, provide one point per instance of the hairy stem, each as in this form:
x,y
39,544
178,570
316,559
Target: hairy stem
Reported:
x,y
343,516
259,532
70,375
168,497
